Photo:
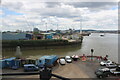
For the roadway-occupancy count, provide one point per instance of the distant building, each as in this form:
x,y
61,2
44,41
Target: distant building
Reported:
x,y
35,30
18,31
16,36
63,31
48,35
43,36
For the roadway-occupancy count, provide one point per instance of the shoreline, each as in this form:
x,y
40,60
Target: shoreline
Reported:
x,y
38,44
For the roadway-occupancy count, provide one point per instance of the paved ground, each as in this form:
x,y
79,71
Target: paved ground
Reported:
x,y
70,70
76,69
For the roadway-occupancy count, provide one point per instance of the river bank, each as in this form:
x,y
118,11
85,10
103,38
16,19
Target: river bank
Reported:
x,y
40,44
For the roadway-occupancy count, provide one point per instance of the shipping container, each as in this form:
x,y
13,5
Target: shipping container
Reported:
x,y
49,36
2,64
17,63
9,62
48,60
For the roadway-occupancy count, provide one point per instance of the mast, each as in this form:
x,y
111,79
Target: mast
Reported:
x,y
46,27
81,25
57,26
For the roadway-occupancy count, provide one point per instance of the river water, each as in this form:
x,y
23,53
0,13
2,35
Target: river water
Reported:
x,y
106,45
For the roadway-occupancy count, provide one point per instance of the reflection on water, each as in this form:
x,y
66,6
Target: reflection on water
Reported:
x,y
107,45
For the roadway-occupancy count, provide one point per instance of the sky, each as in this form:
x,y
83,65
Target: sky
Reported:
x,y
28,14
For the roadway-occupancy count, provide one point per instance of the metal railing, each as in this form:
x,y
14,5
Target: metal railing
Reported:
x,y
45,74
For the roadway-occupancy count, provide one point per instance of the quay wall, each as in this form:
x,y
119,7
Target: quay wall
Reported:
x,y
29,44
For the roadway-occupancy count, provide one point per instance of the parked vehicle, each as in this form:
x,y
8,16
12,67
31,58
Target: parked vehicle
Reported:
x,y
62,61
115,71
104,63
102,73
30,67
15,67
68,59
112,65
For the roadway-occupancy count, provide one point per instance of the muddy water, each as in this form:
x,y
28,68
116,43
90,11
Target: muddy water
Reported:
x,y
107,45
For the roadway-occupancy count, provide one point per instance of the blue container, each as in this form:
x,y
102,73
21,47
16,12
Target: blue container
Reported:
x,y
9,62
2,64
49,36
17,63
29,36
49,60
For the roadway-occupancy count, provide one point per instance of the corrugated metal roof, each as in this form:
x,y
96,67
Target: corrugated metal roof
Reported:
x,y
46,33
48,57
13,36
9,59
29,65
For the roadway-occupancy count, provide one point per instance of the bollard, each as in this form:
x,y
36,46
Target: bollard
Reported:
x,y
92,50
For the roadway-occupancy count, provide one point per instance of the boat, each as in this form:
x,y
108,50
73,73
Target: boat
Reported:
x,y
102,35
75,57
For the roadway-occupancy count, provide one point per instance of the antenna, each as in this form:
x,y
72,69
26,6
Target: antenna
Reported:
x,y
45,23
26,21
57,22
57,26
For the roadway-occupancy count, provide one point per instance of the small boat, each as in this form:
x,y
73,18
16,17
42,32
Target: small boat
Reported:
x,y
75,57
102,34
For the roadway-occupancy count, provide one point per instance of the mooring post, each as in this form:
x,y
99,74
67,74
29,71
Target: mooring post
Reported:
x,y
92,50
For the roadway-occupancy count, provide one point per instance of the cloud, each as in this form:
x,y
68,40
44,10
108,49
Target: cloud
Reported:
x,y
92,4
52,4
34,13
12,5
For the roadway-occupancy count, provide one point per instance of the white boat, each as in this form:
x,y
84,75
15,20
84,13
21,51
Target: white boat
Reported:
x,y
102,34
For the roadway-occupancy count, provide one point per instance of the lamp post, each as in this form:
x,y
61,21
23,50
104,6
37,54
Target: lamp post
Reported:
x,y
92,50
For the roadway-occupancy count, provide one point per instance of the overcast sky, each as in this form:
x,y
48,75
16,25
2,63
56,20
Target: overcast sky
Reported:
x,y
28,14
